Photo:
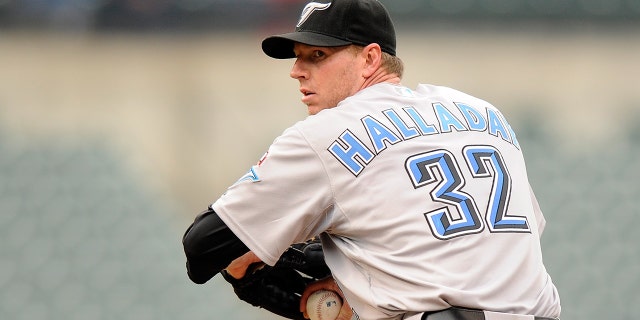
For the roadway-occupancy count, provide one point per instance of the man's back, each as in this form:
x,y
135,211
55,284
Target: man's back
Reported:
x,y
432,205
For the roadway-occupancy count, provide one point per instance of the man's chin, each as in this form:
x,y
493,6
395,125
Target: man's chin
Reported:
x,y
312,110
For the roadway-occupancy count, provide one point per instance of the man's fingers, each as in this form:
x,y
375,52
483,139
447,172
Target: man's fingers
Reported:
x,y
238,267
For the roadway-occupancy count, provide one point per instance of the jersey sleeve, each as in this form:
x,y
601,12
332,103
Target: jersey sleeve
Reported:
x,y
285,198
540,220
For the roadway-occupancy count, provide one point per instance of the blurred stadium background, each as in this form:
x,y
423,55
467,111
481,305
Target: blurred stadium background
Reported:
x,y
122,119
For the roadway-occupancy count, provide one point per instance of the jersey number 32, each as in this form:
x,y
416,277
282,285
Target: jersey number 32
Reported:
x,y
440,168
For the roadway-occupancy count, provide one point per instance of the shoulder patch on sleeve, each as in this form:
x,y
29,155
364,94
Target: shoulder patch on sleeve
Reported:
x,y
251,175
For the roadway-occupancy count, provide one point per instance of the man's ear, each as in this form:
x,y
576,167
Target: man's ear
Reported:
x,y
373,59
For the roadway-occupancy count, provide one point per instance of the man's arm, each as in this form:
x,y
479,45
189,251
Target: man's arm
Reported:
x,y
210,246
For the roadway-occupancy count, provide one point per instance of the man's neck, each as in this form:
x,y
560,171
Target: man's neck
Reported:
x,y
381,76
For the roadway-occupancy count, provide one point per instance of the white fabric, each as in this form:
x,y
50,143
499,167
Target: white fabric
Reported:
x,y
371,211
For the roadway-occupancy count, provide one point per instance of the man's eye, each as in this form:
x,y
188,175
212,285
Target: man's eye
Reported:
x,y
318,54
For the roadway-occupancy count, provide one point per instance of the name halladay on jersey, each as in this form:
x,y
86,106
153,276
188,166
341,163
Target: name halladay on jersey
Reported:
x,y
355,155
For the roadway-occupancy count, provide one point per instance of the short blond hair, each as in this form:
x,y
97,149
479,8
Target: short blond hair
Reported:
x,y
392,64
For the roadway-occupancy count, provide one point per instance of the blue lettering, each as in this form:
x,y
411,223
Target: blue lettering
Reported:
x,y
354,155
425,128
406,131
474,118
351,152
495,125
447,119
379,134
514,140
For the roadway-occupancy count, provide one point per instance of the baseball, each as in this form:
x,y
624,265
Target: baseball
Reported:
x,y
324,305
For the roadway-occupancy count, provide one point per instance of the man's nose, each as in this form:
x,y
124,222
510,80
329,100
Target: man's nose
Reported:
x,y
298,71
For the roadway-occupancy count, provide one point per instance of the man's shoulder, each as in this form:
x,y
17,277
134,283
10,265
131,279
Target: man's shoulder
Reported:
x,y
398,92
451,94
435,90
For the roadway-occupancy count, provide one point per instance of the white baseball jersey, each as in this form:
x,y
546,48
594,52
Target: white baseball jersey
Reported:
x,y
421,199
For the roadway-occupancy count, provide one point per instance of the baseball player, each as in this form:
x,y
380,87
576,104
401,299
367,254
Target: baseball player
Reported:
x,y
420,197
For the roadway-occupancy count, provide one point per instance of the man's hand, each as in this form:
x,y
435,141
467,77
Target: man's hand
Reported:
x,y
238,267
278,288
326,284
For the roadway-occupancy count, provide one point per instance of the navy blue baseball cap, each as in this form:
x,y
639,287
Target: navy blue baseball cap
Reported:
x,y
336,23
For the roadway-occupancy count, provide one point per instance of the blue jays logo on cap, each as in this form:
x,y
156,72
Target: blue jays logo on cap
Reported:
x,y
336,23
311,8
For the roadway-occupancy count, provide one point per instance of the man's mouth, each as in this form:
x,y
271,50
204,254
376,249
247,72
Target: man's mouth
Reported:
x,y
307,96
306,92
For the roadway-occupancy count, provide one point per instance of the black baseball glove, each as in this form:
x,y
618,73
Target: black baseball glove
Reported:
x,y
278,288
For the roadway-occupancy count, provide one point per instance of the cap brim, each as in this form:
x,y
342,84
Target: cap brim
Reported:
x,y
281,46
